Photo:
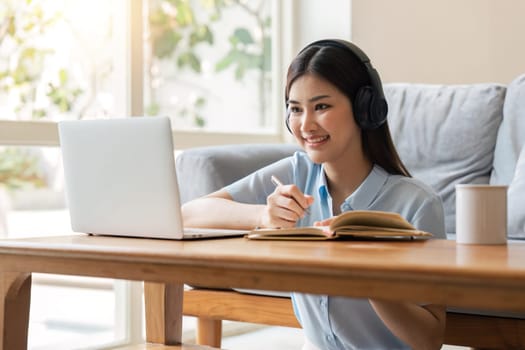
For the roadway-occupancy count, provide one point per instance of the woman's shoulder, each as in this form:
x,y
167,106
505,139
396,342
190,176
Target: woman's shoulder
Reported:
x,y
411,189
417,184
419,203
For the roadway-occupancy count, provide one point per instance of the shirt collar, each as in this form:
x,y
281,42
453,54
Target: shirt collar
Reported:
x,y
369,189
364,195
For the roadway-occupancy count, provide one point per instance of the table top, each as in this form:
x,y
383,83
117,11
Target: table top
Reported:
x,y
438,271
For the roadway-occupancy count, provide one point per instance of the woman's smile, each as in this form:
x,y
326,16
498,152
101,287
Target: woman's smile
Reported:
x,y
316,141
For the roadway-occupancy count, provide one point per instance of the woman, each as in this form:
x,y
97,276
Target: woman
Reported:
x,y
337,113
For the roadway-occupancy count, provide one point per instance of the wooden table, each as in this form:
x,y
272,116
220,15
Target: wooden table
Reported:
x,y
437,271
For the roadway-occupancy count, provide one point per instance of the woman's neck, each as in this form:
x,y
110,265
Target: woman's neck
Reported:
x,y
344,178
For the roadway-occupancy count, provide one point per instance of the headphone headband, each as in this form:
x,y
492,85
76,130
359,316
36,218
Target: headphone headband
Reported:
x,y
370,106
342,44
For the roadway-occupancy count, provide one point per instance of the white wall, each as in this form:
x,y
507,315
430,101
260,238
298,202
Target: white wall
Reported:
x,y
445,41
324,19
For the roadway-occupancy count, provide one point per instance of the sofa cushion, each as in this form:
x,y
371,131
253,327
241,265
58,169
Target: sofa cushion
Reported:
x,y
446,134
516,200
511,134
206,169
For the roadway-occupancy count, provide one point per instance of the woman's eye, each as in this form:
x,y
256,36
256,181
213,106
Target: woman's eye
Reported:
x,y
293,109
321,107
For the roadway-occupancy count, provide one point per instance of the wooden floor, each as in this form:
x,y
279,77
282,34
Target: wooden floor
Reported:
x,y
263,338
164,347
282,338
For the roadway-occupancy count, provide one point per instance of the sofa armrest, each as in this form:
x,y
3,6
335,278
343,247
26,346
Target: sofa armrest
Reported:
x,y
207,169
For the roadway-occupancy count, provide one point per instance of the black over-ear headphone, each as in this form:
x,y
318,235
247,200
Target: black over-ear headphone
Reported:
x,y
370,107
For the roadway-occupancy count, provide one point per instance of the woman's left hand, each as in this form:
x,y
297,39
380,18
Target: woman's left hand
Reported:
x,y
325,222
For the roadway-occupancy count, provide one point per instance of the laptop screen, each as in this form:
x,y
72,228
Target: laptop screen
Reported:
x,y
120,177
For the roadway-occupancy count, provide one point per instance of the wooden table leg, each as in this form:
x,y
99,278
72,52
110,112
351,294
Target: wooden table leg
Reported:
x,y
15,297
163,304
209,332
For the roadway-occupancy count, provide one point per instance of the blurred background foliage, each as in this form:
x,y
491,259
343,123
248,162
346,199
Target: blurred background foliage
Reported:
x,y
22,64
19,169
175,33
22,59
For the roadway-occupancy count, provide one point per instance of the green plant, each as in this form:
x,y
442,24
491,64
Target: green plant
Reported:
x,y
61,94
22,64
245,52
176,32
19,169
22,58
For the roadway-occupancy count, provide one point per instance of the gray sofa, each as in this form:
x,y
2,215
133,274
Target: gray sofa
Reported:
x,y
445,134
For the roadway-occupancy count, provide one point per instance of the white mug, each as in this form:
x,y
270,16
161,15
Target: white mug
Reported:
x,y
481,214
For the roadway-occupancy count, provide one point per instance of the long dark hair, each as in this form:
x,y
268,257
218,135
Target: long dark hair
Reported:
x,y
346,72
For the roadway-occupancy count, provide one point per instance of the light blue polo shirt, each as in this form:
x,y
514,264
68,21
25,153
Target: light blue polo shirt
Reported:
x,y
336,323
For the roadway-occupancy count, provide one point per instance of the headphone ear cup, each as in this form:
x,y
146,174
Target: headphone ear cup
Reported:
x,y
362,102
369,110
378,111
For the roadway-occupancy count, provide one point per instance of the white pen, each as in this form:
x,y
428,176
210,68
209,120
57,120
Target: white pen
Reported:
x,y
278,182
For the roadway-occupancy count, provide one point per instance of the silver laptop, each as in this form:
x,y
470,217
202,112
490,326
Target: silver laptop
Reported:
x,y
120,179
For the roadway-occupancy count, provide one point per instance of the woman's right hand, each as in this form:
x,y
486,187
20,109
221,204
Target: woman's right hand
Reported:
x,y
285,206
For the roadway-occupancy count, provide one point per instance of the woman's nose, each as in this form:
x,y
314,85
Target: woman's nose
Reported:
x,y
308,122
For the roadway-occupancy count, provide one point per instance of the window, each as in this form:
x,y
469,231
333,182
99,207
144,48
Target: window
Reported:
x,y
57,59
210,65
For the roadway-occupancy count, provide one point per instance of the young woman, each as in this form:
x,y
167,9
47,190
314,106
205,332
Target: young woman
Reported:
x,y
337,113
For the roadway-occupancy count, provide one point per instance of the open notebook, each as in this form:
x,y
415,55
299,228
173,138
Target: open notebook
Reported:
x,y
355,224
120,179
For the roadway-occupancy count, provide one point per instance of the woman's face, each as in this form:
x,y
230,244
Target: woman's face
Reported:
x,y
322,120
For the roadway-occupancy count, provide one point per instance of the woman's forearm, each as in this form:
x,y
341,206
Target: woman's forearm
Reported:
x,y
218,210
421,327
